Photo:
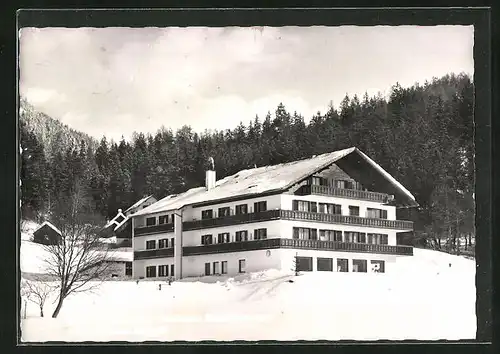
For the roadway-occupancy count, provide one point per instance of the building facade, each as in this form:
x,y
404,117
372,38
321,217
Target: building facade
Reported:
x,y
333,212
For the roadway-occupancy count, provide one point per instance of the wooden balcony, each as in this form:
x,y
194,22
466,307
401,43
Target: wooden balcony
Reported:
x,y
231,220
155,229
273,243
344,193
346,247
156,253
346,220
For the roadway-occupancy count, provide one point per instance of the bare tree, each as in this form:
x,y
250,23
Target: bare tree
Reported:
x,y
37,291
79,261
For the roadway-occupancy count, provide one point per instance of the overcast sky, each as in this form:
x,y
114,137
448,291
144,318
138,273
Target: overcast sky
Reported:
x,y
115,81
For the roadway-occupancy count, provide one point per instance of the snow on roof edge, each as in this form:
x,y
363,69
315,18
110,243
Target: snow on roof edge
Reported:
x,y
139,202
49,225
387,175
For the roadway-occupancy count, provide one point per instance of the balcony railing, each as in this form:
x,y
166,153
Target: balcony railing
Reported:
x,y
145,230
344,193
297,244
231,220
232,247
156,253
346,246
346,220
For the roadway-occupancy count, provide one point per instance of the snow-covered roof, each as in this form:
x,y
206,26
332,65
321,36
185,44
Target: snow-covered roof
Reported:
x,y
256,181
121,256
46,223
138,203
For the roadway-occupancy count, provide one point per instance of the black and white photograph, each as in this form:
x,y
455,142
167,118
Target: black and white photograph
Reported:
x,y
247,183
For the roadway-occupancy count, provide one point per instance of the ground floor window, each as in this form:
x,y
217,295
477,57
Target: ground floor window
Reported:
x,y
216,268
241,266
342,265
359,265
207,268
172,242
378,266
224,267
172,273
304,264
151,272
163,270
128,268
325,264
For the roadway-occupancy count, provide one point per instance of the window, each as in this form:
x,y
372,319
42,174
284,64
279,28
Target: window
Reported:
x,y
241,236
163,243
359,265
225,211
319,181
259,206
260,234
378,266
304,264
241,266
206,239
303,233
172,273
172,242
376,213
223,237
207,268
151,272
224,267
378,239
302,205
343,184
342,265
216,268
163,219
207,214
355,237
128,268
163,270
150,245
325,264
353,210
335,209
241,209
150,221
330,235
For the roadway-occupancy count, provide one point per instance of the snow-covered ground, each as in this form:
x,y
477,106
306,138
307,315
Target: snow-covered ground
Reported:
x,y
424,298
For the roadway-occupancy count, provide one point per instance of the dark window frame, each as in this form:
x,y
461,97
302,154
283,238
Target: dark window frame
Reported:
x,y
207,268
260,234
151,242
207,214
151,221
223,212
223,267
242,269
151,272
259,207
241,209
341,262
238,236
324,264
204,239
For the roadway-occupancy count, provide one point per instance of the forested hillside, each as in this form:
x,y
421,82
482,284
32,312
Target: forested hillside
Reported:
x,y
422,135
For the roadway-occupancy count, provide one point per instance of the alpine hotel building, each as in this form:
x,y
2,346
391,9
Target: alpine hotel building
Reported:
x,y
332,212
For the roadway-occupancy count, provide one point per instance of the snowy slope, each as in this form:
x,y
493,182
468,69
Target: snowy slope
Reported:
x,y
407,304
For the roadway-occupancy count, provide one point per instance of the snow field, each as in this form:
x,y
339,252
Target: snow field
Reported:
x,y
423,299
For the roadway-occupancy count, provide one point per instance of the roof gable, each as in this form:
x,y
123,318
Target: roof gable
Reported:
x,y
48,224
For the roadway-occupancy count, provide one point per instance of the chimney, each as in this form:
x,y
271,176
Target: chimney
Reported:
x,y
210,175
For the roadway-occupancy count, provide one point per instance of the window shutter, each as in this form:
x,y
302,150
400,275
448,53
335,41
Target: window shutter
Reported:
x,y
296,232
384,214
295,205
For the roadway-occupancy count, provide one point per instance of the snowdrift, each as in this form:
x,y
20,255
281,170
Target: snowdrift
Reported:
x,y
425,299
